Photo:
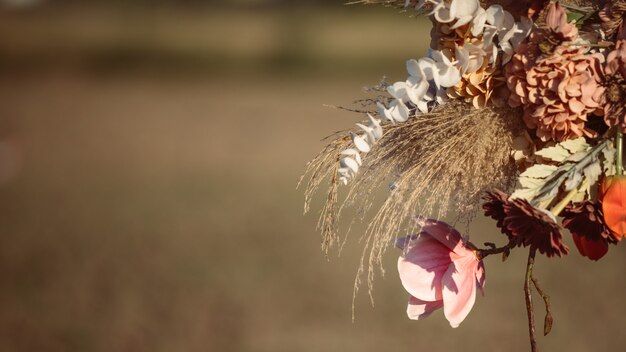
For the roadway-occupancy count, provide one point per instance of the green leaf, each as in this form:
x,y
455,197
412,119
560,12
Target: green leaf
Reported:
x,y
574,17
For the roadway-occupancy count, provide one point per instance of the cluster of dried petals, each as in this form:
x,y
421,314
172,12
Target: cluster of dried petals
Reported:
x,y
612,16
524,224
586,223
473,37
561,91
556,81
481,88
615,95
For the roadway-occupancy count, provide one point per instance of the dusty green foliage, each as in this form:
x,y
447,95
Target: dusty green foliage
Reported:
x,y
437,163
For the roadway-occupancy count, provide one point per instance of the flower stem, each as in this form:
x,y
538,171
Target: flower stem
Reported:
x,y
547,323
529,300
558,208
482,253
619,146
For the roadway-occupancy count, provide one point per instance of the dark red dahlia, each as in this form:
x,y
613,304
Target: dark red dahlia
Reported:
x,y
524,224
585,221
494,208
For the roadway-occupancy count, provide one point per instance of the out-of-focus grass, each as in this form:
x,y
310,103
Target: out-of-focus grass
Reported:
x,y
158,212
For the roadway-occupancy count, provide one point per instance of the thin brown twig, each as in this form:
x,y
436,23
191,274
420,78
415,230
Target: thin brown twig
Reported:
x,y
482,253
529,300
547,323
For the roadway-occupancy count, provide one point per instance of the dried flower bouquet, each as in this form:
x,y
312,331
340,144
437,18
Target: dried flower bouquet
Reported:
x,y
519,106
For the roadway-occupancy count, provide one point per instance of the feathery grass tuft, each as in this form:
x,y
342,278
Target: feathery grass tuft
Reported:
x,y
438,164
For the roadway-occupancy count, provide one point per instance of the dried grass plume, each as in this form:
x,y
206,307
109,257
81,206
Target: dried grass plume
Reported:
x,y
438,164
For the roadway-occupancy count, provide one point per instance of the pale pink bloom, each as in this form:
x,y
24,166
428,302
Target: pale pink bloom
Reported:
x,y
556,19
438,269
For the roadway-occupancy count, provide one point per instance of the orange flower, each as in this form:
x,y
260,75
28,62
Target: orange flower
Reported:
x,y
614,204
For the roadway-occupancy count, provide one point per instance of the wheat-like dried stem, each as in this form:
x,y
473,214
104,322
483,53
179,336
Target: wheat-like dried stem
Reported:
x,y
438,163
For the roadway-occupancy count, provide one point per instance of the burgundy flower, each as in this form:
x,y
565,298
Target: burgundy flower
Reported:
x,y
494,208
535,227
525,224
586,223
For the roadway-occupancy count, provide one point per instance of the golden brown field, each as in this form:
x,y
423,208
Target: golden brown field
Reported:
x,y
152,203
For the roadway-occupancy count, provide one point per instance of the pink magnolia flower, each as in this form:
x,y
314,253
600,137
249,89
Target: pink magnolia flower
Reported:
x,y
438,269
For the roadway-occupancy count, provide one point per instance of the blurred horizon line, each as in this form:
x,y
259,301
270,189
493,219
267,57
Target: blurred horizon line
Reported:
x,y
284,39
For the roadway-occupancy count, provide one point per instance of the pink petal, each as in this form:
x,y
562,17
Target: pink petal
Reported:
x,y
422,268
445,234
418,309
553,17
576,106
459,290
403,242
480,276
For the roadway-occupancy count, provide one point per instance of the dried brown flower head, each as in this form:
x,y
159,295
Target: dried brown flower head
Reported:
x,y
494,208
524,224
615,83
535,227
483,87
558,92
585,221
612,16
556,81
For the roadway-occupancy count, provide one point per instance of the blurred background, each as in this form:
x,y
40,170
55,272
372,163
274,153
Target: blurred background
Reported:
x,y
149,154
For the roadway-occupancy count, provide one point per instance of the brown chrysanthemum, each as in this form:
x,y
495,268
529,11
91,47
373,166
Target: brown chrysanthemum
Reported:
x,y
494,208
615,83
612,16
524,224
535,227
585,221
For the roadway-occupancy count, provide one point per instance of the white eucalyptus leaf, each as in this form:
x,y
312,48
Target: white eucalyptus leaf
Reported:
x,y
350,164
344,172
399,111
354,153
369,133
384,112
374,124
360,143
